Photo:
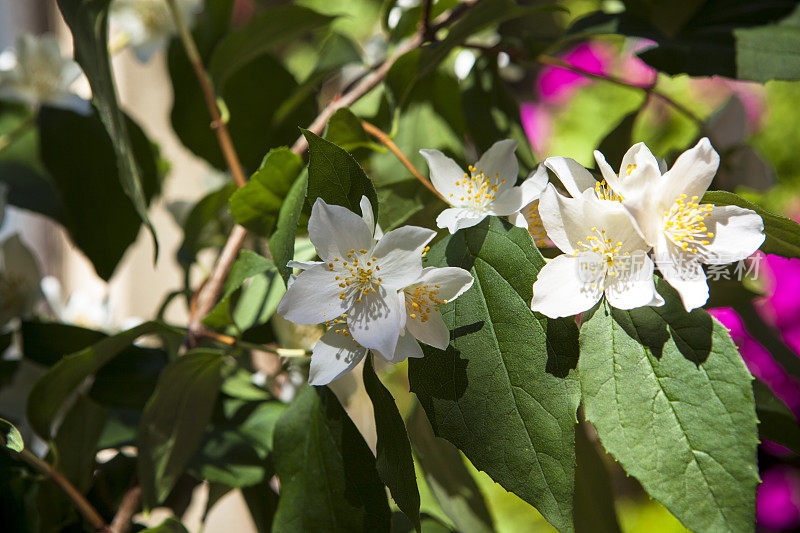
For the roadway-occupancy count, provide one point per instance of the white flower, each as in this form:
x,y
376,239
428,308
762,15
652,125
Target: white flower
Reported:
x,y
19,280
356,288
528,217
434,288
87,309
147,25
683,232
603,254
41,75
485,189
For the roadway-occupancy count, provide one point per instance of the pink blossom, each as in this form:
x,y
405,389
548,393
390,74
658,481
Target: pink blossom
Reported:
x,y
778,499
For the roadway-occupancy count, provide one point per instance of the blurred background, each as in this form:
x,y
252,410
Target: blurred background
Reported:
x,y
564,111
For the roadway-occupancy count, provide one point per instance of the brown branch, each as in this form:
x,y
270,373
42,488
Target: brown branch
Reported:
x,y
388,143
82,504
131,502
217,124
425,21
209,293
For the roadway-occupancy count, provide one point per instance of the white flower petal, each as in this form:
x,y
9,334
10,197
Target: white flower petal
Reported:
x,y
518,219
452,282
500,160
456,218
377,321
559,290
571,174
683,272
399,254
303,265
366,213
444,172
313,298
407,346
334,230
334,355
738,232
692,172
562,218
432,332
635,288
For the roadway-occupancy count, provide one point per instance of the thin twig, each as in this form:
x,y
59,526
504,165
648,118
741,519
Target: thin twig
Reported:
x,y
82,504
131,502
217,124
649,89
388,143
209,293
544,59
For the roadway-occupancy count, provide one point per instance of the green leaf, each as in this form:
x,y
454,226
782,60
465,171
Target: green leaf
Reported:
x,y
254,95
594,498
267,31
76,441
235,451
394,462
452,484
88,22
775,421
47,342
80,158
29,189
671,399
256,205
281,244
135,370
783,234
11,437
336,177
174,421
329,481
51,390
769,52
247,265
524,437
345,130
207,225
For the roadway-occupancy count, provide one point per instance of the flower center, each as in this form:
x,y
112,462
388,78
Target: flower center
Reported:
x,y
477,188
357,274
339,325
610,263
604,192
535,225
685,225
421,300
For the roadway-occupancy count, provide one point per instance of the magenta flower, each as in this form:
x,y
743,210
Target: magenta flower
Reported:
x,y
778,499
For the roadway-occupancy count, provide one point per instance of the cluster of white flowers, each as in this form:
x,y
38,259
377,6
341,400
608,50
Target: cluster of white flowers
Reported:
x,y
606,228
35,73
370,290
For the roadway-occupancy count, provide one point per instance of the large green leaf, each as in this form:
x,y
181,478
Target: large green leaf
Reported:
x,y
254,97
88,22
394,462
783,234
79,155
47,342
671,399
281,244
76,441
451,483
499,350
263,33
257,204
51,390
328,477
174,421
336,177
247,265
